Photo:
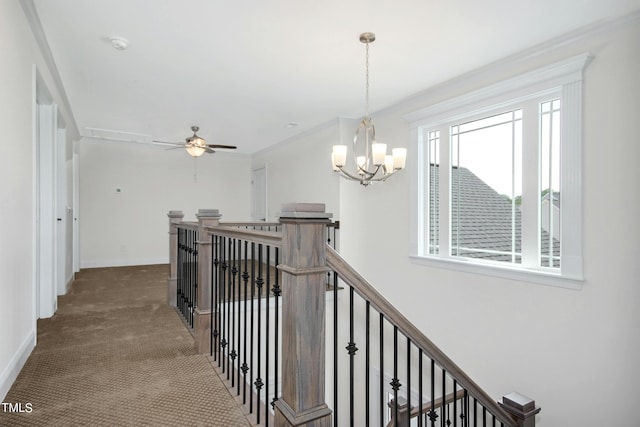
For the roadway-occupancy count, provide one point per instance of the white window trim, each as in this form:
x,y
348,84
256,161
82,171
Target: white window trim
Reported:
x,y
564,77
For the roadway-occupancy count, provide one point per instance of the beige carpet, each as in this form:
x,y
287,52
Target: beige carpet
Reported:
x,y
115,354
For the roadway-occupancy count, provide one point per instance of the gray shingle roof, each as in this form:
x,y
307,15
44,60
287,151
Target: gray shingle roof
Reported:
x,y
482,221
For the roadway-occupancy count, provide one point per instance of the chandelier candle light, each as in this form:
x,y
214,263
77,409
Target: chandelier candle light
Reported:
x,y
372,163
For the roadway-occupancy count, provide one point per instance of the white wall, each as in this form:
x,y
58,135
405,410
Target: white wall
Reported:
x,y
17,197
299,170
574,352
130,227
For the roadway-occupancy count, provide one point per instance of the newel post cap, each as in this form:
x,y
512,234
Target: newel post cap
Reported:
x,y
175,214
208,213
304,211
522,407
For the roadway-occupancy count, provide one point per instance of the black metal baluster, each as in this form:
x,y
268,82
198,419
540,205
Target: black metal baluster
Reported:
x,y
433,416
245,279
484,416
443,415
218,296
253,296
238,314
351,349
211,302
194,303
465,415
179,269
223,303
335,349
229,333
189,278
382,400
232,337
395,383
475,412
267,340
367,358
277,291
408,382
455,403
420,417
258,382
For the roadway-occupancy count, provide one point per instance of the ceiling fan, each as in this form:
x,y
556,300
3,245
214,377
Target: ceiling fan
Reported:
x,y
195,145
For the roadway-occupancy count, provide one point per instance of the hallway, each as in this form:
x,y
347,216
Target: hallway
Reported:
x,y
115,354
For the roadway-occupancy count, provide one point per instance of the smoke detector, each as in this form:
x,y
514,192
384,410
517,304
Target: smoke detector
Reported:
x,y
119,43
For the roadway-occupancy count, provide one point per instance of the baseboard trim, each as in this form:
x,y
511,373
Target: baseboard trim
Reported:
x,y
70,280
123,263
10,373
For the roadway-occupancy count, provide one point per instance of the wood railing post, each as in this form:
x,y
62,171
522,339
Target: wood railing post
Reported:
x,y
522,408
202,313
303,266
175,218
403,411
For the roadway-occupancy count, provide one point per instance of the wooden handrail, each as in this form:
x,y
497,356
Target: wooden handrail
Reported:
x,y
272,238
350,276
249,224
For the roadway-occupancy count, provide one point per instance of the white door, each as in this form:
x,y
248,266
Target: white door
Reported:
x,y
46,267
62,223
259,194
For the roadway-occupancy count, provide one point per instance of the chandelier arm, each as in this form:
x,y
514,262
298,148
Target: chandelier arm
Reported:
x,y
368,173
347,175
384,177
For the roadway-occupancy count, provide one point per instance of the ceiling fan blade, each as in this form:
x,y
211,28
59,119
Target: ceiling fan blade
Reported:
x,y
231,147
175,144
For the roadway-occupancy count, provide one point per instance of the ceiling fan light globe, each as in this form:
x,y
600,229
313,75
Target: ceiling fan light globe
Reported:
x,y
195,150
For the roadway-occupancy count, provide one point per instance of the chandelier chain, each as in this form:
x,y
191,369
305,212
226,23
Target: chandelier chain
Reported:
x,y
367,80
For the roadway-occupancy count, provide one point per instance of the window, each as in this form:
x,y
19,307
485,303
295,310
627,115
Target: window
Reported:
x,y
495,167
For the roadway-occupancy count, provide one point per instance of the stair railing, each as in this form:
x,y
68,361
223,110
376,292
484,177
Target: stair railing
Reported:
x,y
265,322
428,386
186,295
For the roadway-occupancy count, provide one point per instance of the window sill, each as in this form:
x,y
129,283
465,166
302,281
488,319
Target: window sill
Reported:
x,y
470,266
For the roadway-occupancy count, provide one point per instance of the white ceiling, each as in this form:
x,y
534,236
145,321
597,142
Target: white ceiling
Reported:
x,y
242,70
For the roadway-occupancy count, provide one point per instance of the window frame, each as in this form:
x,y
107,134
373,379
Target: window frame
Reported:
x,y
563,80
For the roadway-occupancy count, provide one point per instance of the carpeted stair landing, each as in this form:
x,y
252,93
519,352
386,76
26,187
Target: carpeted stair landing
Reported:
x,y
115,354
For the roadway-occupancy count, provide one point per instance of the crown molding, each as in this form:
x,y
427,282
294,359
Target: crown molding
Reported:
x,y
600,29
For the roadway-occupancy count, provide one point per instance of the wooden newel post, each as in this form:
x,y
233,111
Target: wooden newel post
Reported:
x,y
175,218
202,313
403,411
304,272
521,407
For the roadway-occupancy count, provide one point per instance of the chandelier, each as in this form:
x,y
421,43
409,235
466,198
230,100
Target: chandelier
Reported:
x,y
371,161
